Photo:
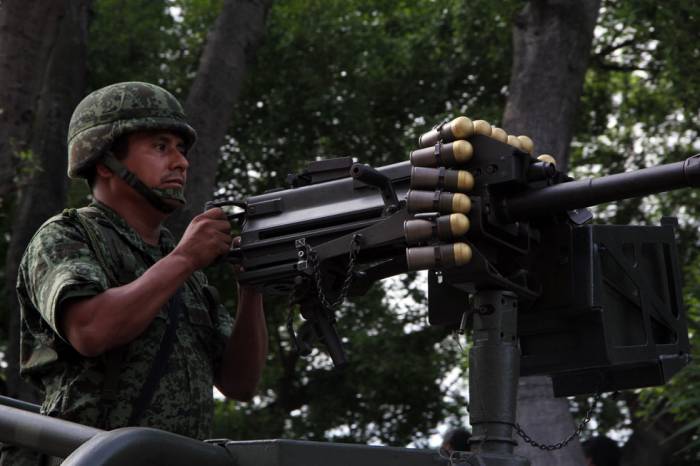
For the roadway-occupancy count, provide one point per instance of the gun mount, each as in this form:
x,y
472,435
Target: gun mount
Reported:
x,y
510,248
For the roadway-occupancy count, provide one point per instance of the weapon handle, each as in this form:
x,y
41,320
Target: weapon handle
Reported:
x,y
328,334
236,216
373,177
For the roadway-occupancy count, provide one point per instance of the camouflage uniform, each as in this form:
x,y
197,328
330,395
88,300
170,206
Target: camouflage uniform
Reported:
x,y
83,255
60,264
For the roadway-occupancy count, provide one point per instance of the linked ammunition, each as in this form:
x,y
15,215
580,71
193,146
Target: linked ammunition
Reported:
x,y
444,228
438,257
437,201
482,127
459,128
526,144
441,178
514,141
443,155
499,134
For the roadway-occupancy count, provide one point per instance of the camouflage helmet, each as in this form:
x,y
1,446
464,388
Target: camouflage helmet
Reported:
x,y
118,109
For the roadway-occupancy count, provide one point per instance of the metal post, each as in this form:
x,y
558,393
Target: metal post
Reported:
x,y
494,367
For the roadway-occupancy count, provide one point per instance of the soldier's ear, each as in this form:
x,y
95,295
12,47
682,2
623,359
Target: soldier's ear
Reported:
x,y
102,171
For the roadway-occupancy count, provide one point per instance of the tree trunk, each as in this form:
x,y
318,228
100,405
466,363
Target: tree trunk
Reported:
x,y
43,187
551,44
231,44
546,420
24,27
552,41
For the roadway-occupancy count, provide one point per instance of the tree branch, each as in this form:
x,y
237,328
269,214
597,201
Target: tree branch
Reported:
x,y
613,47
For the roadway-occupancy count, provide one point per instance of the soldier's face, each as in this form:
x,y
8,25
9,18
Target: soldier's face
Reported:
x,y
157,158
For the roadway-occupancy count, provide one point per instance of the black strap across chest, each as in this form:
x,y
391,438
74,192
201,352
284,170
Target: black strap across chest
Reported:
x,y
160,361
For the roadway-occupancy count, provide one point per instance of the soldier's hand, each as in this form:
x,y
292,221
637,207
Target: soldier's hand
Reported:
x,y
249,290
207,237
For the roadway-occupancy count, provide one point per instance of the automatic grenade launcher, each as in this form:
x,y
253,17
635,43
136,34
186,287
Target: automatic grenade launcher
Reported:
x,y
599,306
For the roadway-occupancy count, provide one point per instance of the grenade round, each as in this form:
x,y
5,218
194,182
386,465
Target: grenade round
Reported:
x,y
435,201
499,134
482,127
459,128
526,143
443,155
446,227
547,158
438,257
514,141
440,178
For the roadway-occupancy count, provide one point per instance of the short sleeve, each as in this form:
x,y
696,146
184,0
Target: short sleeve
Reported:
x,y
59,264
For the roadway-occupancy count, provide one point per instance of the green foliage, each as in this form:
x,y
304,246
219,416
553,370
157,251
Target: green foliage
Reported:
x,y
640,108
390,392
143,40
127,40
187,37
363,79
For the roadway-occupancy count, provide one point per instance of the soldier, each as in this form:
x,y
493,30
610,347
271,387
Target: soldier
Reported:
x,y
119,326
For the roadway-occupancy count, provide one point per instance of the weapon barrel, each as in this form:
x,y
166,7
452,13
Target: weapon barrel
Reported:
x,y
593,191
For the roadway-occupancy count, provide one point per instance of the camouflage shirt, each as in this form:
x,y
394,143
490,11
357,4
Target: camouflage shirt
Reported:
x,y
60,263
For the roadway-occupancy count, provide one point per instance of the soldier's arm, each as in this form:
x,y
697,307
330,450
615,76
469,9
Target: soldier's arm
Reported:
x,y
118,315
246,349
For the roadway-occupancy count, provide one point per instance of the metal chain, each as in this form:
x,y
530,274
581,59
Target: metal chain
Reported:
x,y
316,268
558,446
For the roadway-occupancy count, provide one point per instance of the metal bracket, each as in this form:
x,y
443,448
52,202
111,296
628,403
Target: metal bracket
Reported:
x,y
302,255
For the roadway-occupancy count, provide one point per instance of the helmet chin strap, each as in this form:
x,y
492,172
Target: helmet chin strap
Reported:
x,y
157,197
